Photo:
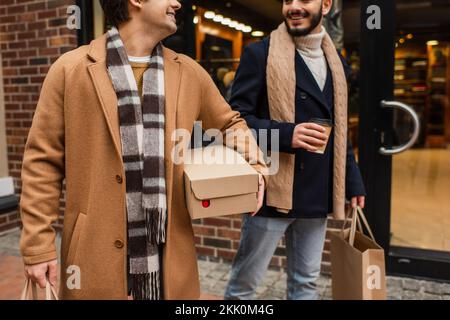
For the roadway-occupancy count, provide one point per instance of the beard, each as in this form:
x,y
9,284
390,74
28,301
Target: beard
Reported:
x,y
300,32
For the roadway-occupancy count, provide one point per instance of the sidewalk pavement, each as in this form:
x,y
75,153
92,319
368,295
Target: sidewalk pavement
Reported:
x,y
214,277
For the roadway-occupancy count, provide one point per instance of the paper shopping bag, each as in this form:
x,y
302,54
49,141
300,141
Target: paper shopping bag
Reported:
x,y
357,263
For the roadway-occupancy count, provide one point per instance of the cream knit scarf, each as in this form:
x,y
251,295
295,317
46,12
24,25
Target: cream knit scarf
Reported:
x,y
281,84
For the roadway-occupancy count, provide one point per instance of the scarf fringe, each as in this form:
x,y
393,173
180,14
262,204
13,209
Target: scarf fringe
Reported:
x,y
155,220
146,286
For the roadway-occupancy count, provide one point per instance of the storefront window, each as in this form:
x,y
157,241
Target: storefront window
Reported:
x,y
220,38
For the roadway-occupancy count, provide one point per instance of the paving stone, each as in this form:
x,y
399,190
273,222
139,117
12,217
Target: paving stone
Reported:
x,y
202,272
283,277
10,252
280,284
411,295
427,296
215,274
411,284
222,267
227,276
433,288
394,282
394,293
323,282
273,294
326,294
208,265
270,278
219,288
261,290
445,288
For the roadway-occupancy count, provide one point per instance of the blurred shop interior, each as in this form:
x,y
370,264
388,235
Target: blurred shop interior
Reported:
x,y
215,33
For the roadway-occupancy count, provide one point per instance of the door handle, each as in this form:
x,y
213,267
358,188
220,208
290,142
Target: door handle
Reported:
x,y
416,121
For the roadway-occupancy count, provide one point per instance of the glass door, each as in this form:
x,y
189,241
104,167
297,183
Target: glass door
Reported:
x,y
405,132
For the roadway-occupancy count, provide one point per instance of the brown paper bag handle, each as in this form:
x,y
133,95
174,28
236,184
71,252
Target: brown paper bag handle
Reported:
x,y
347,215
26,290
365,222
357,216
351,239
50,292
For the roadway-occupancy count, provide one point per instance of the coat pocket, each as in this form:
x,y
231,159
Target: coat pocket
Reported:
x,y
79,225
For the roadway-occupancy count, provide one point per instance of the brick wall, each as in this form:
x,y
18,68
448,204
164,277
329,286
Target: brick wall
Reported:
x,y
9,221
33,35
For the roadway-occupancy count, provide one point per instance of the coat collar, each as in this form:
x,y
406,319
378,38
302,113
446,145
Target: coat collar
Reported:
x,y
97,50
306,82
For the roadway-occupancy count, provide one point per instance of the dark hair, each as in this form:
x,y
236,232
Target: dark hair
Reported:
x,y
116,11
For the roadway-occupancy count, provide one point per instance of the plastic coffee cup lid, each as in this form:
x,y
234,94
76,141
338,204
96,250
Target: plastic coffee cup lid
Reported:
x,y
325,122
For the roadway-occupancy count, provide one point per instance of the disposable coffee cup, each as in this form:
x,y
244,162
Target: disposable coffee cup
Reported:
x,y
328,125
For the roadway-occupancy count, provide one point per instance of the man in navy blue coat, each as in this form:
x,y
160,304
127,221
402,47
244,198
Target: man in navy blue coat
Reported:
x,y
305,225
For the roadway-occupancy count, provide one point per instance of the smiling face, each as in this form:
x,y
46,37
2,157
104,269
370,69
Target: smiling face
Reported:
x,y
160,14
303,17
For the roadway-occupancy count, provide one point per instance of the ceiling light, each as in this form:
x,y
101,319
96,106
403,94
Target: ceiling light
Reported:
x,y
247,29
218,18
258,34
240,26
195,20
432,43
226,21
209,15
233,24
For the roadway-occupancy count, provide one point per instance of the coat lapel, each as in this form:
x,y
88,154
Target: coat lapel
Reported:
x,y
172,78
108,99
306,82
104,89
172,75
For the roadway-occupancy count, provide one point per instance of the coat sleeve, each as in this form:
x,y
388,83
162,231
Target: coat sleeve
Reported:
x,y
354,184
248,86
43,171
216,113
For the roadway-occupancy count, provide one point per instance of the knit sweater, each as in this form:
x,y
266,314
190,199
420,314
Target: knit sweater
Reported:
x,y
310,48
139,65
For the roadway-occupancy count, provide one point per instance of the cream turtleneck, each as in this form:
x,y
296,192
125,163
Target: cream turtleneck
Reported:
x,y
310,48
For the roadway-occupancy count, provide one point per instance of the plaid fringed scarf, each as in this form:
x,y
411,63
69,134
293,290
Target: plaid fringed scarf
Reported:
x,y
142,136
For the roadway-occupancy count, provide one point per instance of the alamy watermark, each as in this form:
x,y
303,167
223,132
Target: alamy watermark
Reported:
x,y
74,18
251,144
374,277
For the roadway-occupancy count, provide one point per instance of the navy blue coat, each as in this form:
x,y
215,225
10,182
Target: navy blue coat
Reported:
x,y
313,179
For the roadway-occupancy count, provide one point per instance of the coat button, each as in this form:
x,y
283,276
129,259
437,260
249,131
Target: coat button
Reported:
x,y
119,179
303,96
302,166
118,244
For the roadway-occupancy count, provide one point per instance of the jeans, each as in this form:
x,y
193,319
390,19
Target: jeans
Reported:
x,y
259,238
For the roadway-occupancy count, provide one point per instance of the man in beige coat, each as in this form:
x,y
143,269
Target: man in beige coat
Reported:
x,y
76,137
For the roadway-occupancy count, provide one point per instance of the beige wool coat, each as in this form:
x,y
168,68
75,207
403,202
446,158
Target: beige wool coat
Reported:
x,y
75,136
